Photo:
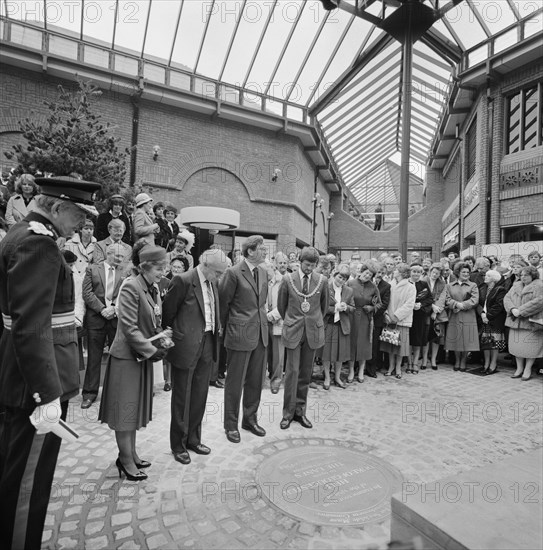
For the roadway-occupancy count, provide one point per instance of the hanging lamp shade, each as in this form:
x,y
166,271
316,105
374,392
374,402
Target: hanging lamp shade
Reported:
x,y
210,217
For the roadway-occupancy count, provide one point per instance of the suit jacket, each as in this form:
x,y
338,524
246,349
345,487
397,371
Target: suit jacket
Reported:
x,y
166,234
101,231
94,293
183,310
99,254
347,296
295,320
384,292
137,321
243,307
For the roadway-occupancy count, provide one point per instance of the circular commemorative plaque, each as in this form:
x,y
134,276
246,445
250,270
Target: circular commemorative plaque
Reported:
x,y
329,484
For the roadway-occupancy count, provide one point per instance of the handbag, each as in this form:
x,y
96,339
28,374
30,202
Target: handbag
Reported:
x,y
487,338
390,335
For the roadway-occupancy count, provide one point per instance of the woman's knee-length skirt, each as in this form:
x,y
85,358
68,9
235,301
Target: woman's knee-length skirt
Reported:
x,y
403,349
526,343
337,347
127,396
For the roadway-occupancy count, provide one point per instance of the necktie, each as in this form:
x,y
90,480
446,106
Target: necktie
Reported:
x,y
255,275
110,286
305,287
211,303
153,292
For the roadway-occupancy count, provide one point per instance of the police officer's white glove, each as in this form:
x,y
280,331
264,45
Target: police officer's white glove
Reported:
x,y
46,417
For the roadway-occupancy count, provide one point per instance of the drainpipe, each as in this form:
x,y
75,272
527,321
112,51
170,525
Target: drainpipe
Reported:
x,y
490,141
135,100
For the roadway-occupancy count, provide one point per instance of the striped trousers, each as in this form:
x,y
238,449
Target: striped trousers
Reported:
x,y
27,468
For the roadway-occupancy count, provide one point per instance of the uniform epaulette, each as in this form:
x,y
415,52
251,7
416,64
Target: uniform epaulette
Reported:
x,y
39,229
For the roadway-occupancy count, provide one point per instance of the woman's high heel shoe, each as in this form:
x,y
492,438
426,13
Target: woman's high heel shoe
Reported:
x,y
143,464
140,476
340,384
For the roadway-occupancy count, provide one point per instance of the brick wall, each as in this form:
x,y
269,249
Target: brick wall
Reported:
x,y
202,160
424,229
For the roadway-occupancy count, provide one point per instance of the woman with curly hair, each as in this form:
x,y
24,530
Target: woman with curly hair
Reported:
x,y
524,306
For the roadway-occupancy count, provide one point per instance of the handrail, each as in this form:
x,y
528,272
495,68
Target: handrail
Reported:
x,y
143,62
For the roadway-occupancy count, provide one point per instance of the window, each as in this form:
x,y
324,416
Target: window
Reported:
x,y
525,119
471,138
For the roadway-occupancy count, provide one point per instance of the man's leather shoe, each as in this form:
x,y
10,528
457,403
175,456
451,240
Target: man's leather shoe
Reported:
x,y
183,457
217,384
302,420
199,449
254,428
233,436
285,423
86,403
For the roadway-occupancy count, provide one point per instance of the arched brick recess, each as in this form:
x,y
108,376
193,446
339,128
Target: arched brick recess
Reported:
x,y
208,162
9,121
219,187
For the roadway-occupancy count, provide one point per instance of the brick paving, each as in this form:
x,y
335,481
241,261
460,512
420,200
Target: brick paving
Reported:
x,y
428,426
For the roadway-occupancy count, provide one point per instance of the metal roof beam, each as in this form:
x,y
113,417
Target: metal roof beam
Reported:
x,y
232,38
375,49
442,46
203,36
309,51
285,46
365,98
260,40
330,59
359,111
357,131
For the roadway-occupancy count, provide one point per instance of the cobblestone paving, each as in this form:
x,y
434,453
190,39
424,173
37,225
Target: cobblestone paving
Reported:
x,y
428,426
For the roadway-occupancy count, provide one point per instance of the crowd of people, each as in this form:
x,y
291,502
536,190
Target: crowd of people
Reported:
x,y
126,282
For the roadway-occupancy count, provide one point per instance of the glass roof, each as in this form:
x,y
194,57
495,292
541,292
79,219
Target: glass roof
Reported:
x,y
340,65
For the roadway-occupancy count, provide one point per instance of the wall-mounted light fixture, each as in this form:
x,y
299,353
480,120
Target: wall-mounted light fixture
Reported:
x,y
275,176
156,152
318,200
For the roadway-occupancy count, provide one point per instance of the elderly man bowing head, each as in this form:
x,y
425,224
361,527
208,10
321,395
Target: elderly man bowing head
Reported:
x,y
191,308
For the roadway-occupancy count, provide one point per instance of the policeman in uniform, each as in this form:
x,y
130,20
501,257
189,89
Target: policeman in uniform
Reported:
x,y
38,354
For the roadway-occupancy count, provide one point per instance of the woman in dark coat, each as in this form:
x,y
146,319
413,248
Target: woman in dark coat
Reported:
x,y
127,397
366,298
418,333
438,316
377,362
337,325
492,312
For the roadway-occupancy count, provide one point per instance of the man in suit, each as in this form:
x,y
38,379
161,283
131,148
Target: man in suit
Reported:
x,y
115,212
100,288
191,308
243,297
302,303
116,230
38,355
